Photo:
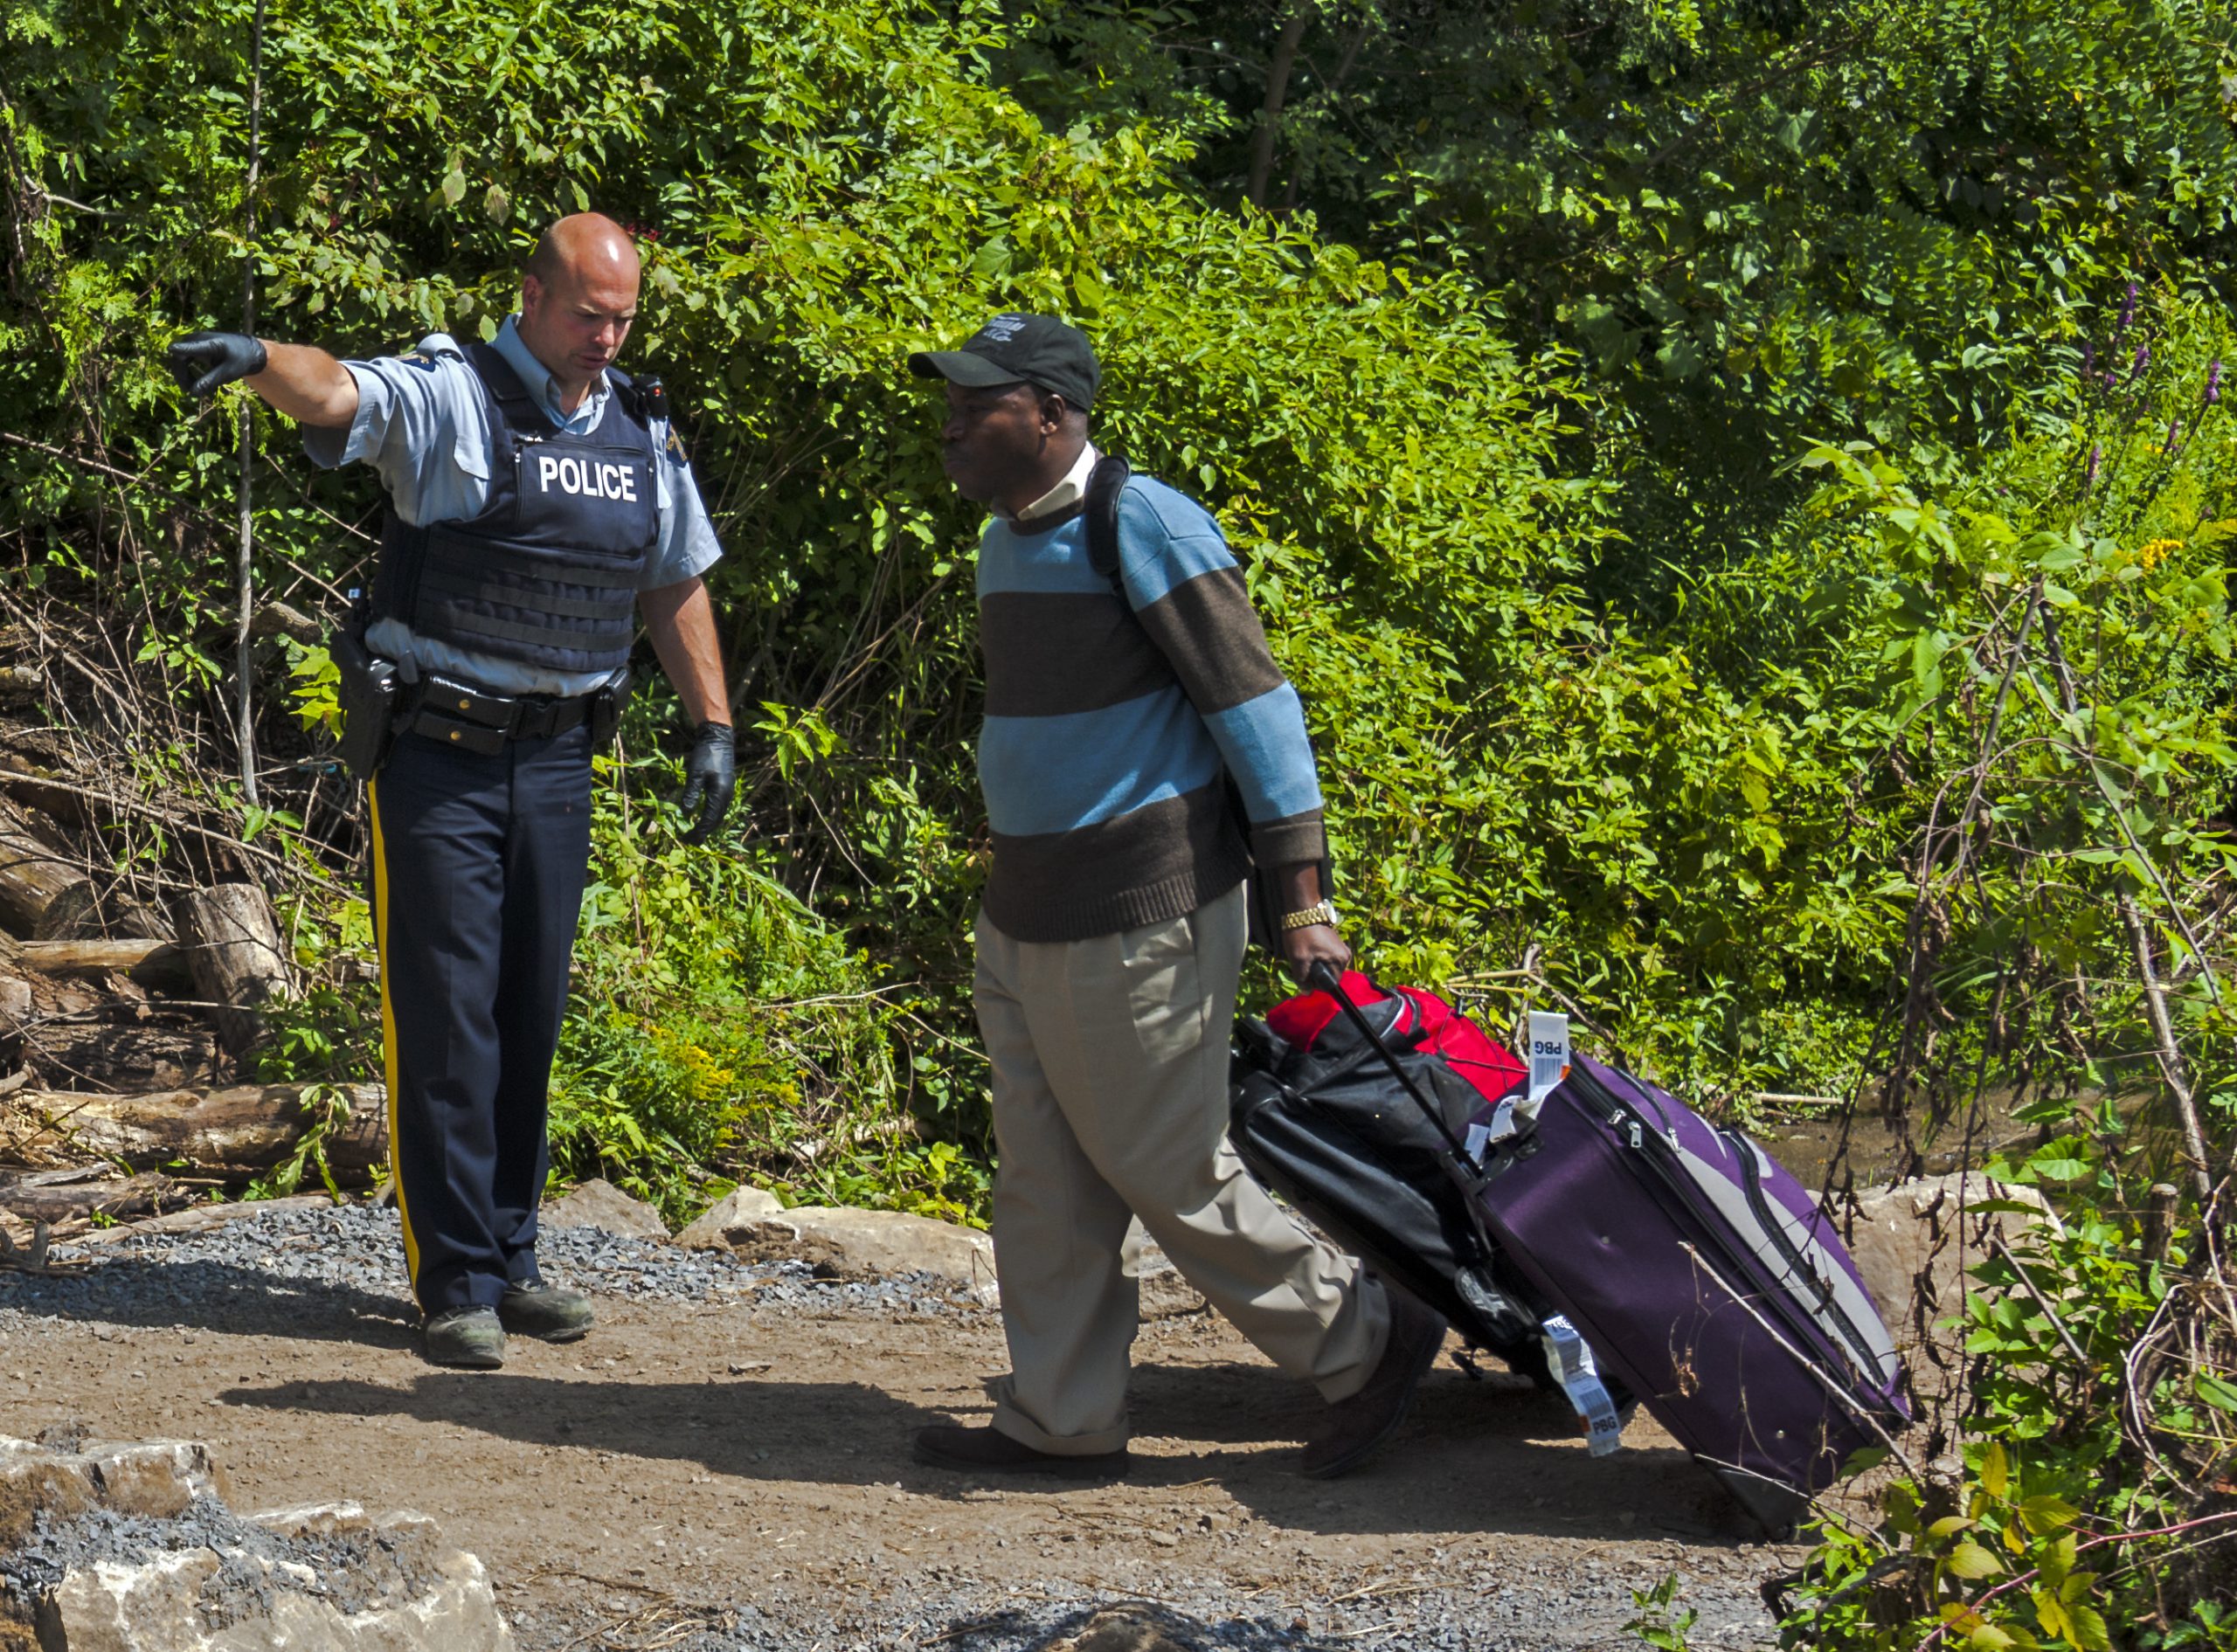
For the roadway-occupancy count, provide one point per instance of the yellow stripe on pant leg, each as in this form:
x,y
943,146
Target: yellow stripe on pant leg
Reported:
x,y
388,1028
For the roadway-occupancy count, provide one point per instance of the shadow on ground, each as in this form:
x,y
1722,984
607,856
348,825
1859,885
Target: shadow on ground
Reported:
x,y
217,1297
1494,1456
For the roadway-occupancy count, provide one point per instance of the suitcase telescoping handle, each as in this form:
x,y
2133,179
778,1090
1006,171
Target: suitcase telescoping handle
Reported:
x,y
1323,976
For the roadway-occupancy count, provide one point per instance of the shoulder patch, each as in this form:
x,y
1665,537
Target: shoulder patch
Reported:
x,y
675,453
432,351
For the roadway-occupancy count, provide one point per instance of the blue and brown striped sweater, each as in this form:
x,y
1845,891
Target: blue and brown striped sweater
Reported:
x,y
1107,733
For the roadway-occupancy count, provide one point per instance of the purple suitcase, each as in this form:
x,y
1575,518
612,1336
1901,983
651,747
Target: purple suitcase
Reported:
x,y
1703,1276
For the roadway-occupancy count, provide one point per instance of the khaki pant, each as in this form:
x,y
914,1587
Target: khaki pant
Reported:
x,y
1110,1059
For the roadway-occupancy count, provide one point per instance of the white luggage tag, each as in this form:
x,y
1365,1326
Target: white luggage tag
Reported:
x,y
1570,1361
1497,1128
1548,1036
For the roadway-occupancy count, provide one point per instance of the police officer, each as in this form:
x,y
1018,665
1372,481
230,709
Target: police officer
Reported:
x,y
535,495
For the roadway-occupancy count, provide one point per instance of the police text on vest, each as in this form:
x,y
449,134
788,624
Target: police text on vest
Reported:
x,y
587,478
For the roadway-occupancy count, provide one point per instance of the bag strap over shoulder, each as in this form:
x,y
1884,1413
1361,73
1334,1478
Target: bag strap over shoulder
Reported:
x,y
1106,486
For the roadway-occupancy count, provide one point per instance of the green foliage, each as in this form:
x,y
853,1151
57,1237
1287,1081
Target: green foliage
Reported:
x,y
718,1032
2065,631
1662,1623
2051,1537
1757,220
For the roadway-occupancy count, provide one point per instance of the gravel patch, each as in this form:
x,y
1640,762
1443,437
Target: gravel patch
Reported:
x,y
1487,1608
272,1267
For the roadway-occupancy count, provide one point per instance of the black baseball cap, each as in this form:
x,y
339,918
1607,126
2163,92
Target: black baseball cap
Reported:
x,y
1019,349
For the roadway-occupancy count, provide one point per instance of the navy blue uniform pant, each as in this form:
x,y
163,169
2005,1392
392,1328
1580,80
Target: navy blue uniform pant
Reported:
x,y
478,864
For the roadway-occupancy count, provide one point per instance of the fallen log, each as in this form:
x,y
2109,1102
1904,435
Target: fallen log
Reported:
x,y
29,1000
204,1219
158,963
233,950
44,895
56,1196
237,1133
124,1048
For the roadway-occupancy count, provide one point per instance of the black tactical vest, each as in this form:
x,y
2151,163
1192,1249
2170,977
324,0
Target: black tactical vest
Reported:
x,y
546,574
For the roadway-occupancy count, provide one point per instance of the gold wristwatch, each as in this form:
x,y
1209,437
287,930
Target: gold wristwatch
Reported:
x,y
1320,912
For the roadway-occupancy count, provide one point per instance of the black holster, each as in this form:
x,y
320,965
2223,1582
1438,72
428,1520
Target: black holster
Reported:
x,y
368,692
606,705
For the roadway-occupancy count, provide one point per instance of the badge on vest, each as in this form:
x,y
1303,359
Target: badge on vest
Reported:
x,y
585,479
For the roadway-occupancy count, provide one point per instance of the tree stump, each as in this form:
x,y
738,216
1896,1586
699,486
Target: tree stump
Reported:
x,y
234,953
44,895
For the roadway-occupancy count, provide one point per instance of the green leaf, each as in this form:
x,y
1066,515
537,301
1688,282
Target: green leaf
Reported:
x,y
2216,1392
1972,1562
2088,1631
2044,1514
1996,1471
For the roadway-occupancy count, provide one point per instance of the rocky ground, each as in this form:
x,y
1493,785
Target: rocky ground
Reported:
x,y
723,1464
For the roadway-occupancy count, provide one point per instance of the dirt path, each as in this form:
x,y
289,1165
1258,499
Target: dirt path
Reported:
x,y
745,1469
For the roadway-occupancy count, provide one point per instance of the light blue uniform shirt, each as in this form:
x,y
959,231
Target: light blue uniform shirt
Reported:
x,y
422,426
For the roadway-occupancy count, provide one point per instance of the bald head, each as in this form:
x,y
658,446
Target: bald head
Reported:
x,y
578,296
583,243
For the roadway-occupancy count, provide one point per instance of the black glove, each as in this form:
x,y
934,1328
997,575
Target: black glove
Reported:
x,y
710,780
202,362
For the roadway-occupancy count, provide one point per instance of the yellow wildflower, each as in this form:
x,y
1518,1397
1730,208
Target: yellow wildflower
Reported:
x,y
2153,552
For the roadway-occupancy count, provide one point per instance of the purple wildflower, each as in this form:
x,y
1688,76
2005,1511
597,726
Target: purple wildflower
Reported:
x,y
2096,458
2142,360
2174,429
2213,381
2088,358
2127,308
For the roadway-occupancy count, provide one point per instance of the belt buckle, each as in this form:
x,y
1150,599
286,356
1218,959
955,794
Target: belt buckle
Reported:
x,y
547,718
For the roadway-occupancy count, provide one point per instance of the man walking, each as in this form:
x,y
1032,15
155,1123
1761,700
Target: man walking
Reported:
x,y
1112,935
537,497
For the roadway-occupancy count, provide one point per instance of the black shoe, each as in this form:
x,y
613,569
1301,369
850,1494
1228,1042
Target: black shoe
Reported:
x,y
991,1451
546,1312
469,1338
1355,1427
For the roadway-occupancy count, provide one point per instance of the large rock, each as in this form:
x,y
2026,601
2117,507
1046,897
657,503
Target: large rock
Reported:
x,y
889,1241
140,1554
1914,1241
601,1205
151,1478
739,1214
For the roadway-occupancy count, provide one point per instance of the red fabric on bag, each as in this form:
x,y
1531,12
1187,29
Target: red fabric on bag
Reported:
x,y
1300,1020
1495,1070
1491,1069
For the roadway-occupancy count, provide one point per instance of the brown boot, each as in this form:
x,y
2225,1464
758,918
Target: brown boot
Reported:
x,y
1355,1427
